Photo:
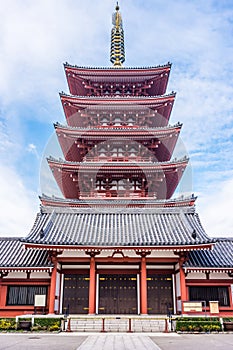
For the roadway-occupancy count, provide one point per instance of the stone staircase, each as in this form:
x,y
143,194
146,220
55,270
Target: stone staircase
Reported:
x,y
117,324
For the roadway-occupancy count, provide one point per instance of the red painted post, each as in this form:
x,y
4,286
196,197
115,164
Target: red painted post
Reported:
x,y
92,287
166,330
69,326
143,287
130,326
103,324
182,286
53,287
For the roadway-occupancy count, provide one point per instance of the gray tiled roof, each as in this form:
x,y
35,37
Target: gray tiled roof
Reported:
x,y
117,227
13,254
220,257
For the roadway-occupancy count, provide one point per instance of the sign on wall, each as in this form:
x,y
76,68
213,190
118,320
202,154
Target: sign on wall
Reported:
x,y
214,308
192,306
40,300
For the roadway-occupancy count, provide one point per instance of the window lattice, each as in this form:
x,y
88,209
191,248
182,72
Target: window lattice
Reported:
x,y
24,295
210,294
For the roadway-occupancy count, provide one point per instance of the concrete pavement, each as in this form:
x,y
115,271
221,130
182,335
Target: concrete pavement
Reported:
x,y
118,342
115,341
195,342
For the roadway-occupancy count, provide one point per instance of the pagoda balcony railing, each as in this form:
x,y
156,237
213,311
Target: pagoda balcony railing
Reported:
x,y
119,159
116,194
121,125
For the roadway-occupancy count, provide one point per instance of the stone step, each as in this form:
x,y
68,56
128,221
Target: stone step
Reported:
x,y
117,325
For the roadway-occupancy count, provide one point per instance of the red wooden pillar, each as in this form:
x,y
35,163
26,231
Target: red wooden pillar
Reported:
x,y
92,287
143,286
53,286
3,296
183,290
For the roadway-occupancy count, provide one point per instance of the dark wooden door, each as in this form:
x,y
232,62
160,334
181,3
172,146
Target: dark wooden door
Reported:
x,y
76,294
159,294
117,294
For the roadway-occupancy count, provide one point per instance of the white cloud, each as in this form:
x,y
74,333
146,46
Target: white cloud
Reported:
x,y
18,204
216,209
31,148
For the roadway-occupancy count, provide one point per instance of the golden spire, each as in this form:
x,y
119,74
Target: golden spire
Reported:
x,y
117,56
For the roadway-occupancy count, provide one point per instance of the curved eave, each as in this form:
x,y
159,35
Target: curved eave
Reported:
x,y
61,247
73,132
110,70
75,166
93,100
61,202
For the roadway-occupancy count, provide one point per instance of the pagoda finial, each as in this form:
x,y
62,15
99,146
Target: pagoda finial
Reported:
x,y
117,56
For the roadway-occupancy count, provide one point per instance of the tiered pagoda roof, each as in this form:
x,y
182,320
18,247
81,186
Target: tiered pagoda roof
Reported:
x,y
118,143
76,107
76,142
85,81
160,178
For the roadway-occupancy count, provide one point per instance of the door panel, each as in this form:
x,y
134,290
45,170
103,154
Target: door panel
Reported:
x,y
76,294
117,294
159,293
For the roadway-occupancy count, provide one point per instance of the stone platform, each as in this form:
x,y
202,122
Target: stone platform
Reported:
x,y
125,323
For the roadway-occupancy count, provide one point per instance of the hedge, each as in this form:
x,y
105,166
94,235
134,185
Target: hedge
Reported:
x,y
199,324
49,324
40,324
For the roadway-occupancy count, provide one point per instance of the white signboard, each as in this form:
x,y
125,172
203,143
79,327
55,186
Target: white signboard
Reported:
x,y
214,309
40,300
192,306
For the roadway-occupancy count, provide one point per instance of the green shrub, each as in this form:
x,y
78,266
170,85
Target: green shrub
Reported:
x,y
47,323
7,324
40,324
199,324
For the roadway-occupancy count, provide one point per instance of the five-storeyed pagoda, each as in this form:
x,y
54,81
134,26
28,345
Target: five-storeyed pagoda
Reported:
x,y
116,243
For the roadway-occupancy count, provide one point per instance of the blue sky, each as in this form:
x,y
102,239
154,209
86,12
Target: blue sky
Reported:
x,y
37,37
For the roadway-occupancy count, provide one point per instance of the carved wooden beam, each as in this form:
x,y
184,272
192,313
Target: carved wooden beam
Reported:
x,y
93,252
143,253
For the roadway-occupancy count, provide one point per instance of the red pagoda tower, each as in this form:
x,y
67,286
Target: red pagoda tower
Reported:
x,y
117,143
116,242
